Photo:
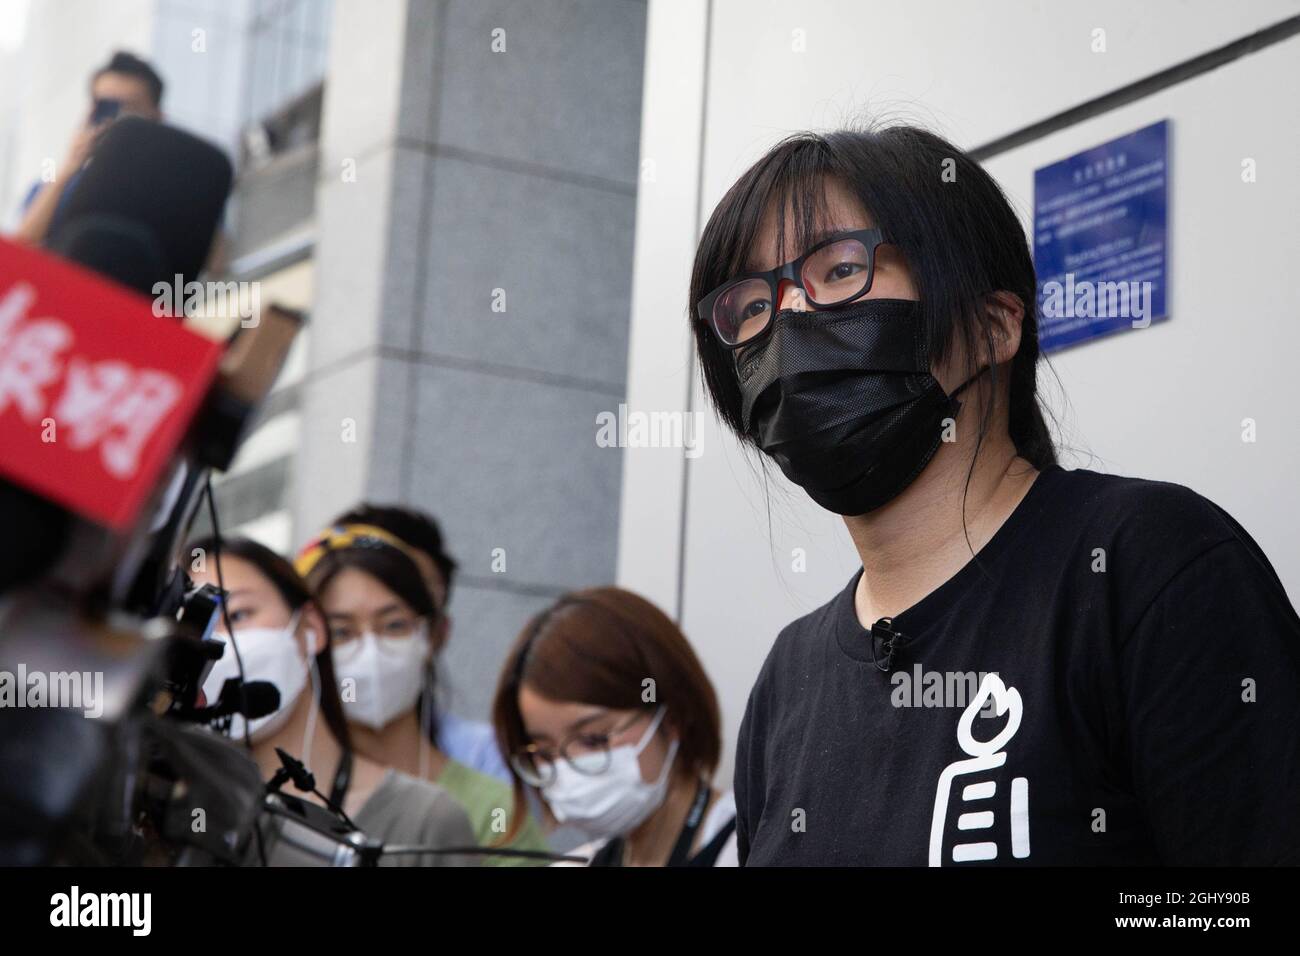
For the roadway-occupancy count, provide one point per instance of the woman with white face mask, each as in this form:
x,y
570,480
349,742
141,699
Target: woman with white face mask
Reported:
x,y
381,615
282,638
464,739
608,717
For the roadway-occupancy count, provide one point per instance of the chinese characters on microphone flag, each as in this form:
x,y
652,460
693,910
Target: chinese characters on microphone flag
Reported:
x,y
96,391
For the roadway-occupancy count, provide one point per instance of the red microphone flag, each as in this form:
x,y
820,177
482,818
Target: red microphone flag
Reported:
x,y
96,391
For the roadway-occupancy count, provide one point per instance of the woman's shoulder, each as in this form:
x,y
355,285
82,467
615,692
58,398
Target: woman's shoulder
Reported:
x,y
1143,527
803,637
489,802
1140,505
399,792
1155,541
404,810
473,786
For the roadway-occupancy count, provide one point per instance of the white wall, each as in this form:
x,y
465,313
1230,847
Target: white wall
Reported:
x,y
1166,402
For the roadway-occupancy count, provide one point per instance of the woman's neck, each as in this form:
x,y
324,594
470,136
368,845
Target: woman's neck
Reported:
x,y
651,843
918,541
400,744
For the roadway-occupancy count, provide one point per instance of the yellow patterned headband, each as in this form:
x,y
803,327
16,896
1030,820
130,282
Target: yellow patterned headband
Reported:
x,y
342,536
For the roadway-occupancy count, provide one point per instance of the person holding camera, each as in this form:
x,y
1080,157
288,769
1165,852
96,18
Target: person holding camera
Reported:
x,y
125,86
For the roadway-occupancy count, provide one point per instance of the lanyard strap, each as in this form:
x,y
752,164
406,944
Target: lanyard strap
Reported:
x,y
682,849
342,779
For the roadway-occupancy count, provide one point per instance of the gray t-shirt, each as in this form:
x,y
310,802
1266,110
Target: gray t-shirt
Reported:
x,y
411,812
403,811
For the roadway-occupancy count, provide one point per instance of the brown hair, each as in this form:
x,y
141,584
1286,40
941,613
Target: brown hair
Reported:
x,y
599,646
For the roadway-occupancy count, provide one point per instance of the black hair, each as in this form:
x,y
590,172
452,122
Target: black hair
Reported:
x,y
416,528
295,593
941,209
128,64
395,570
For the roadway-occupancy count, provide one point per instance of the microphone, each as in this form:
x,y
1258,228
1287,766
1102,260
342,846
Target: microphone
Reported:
x,y
249,699
116,248
143,211
888,640
146,206
122,387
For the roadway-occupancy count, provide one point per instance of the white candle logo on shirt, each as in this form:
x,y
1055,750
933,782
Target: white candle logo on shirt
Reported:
x,y
977,794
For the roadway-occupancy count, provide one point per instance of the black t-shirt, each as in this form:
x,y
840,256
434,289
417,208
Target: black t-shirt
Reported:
x,y
1114,679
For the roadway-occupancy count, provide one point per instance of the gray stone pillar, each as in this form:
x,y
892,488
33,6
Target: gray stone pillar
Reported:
x,y
475,222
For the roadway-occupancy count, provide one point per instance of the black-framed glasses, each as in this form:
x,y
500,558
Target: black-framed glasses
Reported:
x,y
586,753
834,272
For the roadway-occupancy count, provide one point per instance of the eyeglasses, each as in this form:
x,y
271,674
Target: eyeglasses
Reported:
x,y
586,753
834,272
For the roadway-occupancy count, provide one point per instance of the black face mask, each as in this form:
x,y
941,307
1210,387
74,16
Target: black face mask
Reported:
x,y
844,401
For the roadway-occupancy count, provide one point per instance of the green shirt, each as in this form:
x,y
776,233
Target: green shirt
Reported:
x,y
488,802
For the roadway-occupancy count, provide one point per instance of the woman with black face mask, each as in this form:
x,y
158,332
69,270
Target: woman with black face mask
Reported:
x,y
1034,665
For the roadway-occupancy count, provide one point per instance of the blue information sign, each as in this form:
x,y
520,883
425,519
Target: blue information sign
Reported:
x,y
1100,230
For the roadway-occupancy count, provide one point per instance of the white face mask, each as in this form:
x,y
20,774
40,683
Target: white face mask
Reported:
x,y
387,674
616,801
270,654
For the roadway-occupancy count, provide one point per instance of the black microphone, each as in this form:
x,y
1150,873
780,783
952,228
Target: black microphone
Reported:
x,y
888,640
248,699
143,210
146,206
116,248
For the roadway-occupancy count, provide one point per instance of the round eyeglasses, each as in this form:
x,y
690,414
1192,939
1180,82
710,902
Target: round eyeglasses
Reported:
x,y
586,753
